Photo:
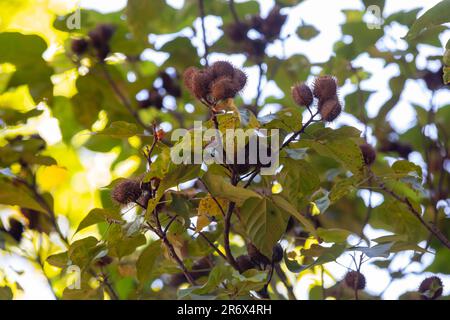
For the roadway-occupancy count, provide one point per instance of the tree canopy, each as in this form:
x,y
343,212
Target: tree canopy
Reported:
x,y
90,194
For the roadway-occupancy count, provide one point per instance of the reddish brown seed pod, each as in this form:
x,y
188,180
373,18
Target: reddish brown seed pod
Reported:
x,y
277,254
273,23
222,69
330,109
369,153
15,229
302,95
126,191
188,76
325,87
245,263
79,46
224,88
240,78
201,82
355,280
431,288
256,256
237,31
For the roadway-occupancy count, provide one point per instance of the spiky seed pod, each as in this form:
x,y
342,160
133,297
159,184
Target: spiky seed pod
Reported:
x,y
237,32
434,80
273,23
256,256
431,288
255,47
15,229
79,46
244,262
240,78
355,280
369,153
201,83
156,99
126,191
302,95
257,23
201,267
222,69
330,109
104,261
105,31
277,254
224,88
188,77
167,80
325,87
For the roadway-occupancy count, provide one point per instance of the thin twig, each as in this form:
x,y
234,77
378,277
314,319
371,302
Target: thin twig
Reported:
x,y
201,7
431,228
233,11
126,103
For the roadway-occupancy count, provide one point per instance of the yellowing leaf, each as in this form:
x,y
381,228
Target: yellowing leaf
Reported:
x,y
52,177
207,209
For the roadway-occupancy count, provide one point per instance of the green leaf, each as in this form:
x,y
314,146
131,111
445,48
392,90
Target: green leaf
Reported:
x,y
82,252
59,260
217,275
146,261
307,32
264,223
6,293
16,195
284,205
333,234
156,16
433,17
83,294
221,188
396,217
120,129
99,215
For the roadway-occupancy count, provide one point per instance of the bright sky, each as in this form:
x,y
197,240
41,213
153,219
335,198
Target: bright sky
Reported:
x,y
326,16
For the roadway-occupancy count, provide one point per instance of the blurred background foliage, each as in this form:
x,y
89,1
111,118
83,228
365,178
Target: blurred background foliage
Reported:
x,y
67,136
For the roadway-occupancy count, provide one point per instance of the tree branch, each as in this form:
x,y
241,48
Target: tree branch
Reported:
x,y
201,6
431,228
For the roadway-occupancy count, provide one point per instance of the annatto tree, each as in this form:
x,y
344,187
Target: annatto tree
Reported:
x,y
92,198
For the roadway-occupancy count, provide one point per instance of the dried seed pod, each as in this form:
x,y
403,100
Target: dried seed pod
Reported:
x,y
277,254
188,77
273,23
15,229
237,32
330,109
256,256
255,47
325,87
222,69
126,191
355,280
104,261
201,83
79,46
369,153
224,88
431,288
240,78
302,95
245,263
